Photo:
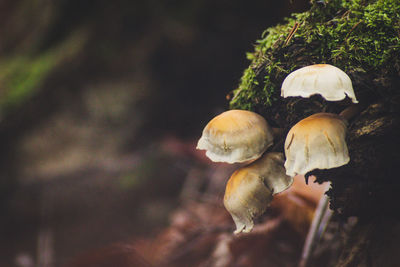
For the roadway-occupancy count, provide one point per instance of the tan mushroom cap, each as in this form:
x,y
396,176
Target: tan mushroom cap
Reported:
x,y
250,189
236,136
330,82
316,142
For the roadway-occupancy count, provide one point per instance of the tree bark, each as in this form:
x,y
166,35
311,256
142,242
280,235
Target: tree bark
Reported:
x,y
336,32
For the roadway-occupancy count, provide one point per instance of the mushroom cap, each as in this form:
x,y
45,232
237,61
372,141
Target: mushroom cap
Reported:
x,y
316,142
250,189
236,136
330,82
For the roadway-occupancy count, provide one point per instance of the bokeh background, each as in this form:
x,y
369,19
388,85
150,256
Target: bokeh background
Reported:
x,y
101,104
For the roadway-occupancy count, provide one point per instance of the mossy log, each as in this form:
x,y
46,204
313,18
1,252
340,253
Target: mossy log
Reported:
x,y
363,39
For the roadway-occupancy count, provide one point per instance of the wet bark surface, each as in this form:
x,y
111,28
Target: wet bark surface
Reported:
x,y
367,188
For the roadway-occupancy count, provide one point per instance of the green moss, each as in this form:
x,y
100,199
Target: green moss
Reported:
x,y
361,37
21,76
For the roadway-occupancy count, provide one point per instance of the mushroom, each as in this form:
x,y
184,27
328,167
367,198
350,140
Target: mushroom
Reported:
x,y
251,188
330,82
316,142
236,136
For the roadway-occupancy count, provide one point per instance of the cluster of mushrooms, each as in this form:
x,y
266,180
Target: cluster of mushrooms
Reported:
x,y
316,142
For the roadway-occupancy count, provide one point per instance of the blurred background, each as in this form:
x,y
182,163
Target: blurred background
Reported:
x,y
101,105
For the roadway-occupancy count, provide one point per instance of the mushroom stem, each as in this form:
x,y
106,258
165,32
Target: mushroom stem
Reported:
x,y
321,219
351,111
277,133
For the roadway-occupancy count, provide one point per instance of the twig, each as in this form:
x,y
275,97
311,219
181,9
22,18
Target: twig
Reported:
x,y
321,219
292,32
345,14
45,245
352,29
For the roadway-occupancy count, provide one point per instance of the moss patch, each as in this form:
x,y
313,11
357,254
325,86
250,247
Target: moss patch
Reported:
x,y
22,75
360,37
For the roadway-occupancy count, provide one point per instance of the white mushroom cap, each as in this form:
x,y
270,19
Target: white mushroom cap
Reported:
x,y
250,189
236,136
316,142
330,82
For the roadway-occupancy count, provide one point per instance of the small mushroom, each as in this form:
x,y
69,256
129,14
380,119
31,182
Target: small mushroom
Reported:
x,y
316,142
236,136
250,189
330,82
